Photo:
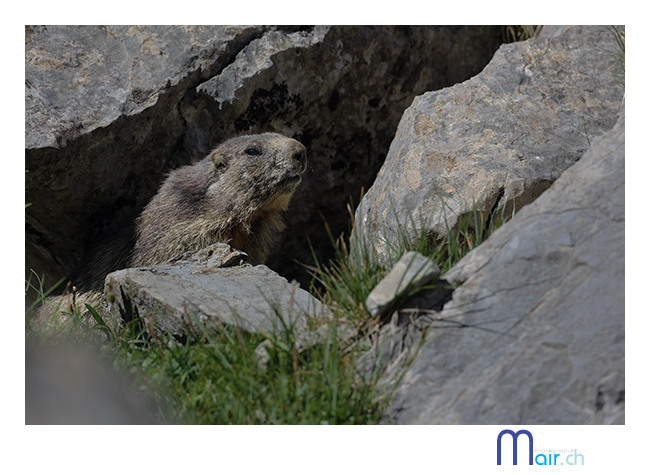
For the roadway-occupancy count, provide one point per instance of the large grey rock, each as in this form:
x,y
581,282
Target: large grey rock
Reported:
x,y
496,140
174,296
110,110
535,334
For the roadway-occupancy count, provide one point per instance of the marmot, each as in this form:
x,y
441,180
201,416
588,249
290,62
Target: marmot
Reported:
x,y
237,193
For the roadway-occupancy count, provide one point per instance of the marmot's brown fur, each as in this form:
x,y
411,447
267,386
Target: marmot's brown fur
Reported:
x,y
237,193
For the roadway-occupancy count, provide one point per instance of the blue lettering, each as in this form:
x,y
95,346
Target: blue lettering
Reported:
x,y
543,458
514,446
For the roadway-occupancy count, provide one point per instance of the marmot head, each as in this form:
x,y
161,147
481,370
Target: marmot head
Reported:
x,y
265,167
237,193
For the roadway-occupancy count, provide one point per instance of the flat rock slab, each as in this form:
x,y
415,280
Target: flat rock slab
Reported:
x,y
497,140
536,332
252,297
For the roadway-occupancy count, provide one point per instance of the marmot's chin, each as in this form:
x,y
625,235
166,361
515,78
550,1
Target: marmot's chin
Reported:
x,y
290,182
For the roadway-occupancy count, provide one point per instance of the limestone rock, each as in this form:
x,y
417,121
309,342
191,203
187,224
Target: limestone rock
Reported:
x,y
411,271
535,333
174,296
497,140
111,109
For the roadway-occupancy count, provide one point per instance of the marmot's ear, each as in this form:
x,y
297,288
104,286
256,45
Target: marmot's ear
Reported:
x,y
219,160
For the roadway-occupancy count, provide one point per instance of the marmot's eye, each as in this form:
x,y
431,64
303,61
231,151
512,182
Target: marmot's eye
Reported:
x,y
252,152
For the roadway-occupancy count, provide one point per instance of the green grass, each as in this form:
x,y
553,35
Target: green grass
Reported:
x,y
217,380
215,377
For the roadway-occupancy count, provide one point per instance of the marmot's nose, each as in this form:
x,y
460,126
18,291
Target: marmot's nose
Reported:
x,y
300,156
297,153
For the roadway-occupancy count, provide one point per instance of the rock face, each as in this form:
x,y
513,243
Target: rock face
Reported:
x,y
174,295
498,139
110,110
535,333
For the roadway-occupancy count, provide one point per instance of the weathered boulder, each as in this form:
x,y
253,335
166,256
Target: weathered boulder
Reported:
x,y
209,289
497,140
110,110
535,333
